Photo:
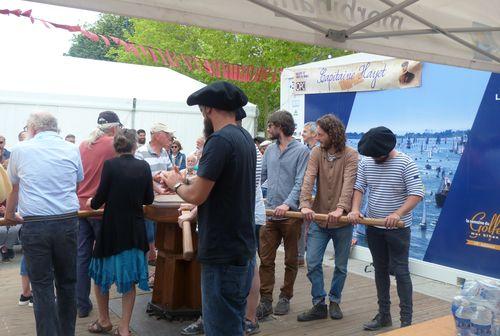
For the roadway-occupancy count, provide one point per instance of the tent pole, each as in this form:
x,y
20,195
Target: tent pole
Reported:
x,y
134,105
379,17
290,16
444,32
422,32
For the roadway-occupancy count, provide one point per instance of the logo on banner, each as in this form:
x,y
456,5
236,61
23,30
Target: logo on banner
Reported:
x,y
484,230
366,76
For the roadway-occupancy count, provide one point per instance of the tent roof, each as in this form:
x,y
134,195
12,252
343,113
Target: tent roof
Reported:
x,y
456,32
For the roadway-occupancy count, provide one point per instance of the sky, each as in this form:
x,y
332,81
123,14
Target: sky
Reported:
x,y
449,98
21,40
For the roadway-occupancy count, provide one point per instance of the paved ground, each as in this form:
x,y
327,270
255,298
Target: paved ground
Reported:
x,y
431,300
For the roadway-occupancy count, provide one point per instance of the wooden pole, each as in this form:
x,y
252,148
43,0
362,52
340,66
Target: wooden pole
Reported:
x,y
343,220
187,239
289,214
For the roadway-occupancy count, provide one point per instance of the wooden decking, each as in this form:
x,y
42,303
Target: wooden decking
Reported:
x,y
359,305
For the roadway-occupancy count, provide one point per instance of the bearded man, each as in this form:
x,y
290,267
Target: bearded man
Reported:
x,y
333,166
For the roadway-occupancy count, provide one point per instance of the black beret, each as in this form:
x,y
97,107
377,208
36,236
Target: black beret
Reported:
x,y
221,95
240,114
378,141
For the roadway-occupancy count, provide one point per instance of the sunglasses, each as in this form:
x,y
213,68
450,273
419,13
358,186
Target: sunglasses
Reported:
x,y
174,147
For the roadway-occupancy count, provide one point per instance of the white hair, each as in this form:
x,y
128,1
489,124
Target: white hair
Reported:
x,y
101,130
42,122
311,125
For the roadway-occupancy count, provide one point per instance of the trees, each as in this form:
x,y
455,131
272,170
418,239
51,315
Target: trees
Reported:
x,y
107,24
223,46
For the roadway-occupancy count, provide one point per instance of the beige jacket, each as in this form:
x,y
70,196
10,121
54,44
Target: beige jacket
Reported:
x,y
335,181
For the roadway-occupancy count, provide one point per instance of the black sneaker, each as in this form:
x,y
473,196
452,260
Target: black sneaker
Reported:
x,y
195,328
251,328
317,312
405,324
335,311
379,321
282,307
26,300
264,309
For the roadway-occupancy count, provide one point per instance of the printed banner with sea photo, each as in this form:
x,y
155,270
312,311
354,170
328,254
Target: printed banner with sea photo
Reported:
x,y
365,76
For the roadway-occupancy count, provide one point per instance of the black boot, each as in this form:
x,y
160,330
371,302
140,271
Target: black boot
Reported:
x,y
317,312
378,322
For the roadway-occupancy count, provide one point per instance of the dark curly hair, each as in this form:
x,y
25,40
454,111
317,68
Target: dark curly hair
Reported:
x,y
284,120
335,129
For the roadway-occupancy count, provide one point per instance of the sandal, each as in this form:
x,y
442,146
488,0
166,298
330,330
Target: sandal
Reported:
x,y
96,328
117,332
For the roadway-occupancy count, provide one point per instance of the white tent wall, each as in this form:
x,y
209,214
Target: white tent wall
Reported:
x,y
81,88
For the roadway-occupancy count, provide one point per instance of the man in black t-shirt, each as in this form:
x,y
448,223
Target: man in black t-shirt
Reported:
x,y
224,192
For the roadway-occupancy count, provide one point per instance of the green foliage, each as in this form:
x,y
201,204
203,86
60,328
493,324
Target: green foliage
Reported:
x,y
108,25
223,46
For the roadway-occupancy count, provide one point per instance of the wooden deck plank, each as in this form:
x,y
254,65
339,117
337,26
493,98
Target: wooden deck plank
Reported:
x,y
359,304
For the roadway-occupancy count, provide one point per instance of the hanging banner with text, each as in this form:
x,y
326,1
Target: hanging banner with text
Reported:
x,y
366,76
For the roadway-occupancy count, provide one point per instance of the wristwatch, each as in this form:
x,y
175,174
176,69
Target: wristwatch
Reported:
x,y
177,185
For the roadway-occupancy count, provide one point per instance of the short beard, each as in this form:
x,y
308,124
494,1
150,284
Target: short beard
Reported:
x,y
142,141
328,145
208,127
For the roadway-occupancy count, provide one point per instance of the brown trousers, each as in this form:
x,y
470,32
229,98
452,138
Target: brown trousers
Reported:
x,y
270,239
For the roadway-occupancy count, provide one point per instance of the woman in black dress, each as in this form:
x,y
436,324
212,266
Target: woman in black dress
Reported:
x,y
119,254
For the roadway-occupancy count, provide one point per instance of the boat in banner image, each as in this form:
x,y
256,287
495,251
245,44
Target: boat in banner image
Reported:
x,y
443,191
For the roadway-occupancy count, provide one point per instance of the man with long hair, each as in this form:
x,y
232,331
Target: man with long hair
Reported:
x,y
93,151
333,165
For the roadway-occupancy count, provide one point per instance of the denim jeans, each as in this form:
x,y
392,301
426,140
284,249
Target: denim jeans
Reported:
x,y
150,230
224,290
317,241
50,251
88,230
390,250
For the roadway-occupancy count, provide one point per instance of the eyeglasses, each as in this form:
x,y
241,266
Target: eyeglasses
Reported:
x,y
174,147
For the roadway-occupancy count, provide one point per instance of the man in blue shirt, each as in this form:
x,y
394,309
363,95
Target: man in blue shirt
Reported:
x,y
44,173
283,169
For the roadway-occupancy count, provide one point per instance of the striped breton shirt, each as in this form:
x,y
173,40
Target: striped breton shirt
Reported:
x,y
389,183
156,162
260,209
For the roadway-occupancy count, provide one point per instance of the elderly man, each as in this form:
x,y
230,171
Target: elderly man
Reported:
x,y
94,151
395,189
309,134
156,155
44,172
224,192
333,165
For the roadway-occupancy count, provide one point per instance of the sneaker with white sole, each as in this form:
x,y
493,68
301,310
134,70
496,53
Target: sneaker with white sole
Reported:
x,y
25,300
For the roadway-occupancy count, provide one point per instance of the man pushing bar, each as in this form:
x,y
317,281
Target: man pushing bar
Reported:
x,y
224,192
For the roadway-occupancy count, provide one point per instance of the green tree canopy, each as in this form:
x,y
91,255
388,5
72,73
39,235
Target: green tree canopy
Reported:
x,y
107,24
216,45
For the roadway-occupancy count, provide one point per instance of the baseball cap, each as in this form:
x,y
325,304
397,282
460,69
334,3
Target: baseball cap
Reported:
x,y
160,127
108,117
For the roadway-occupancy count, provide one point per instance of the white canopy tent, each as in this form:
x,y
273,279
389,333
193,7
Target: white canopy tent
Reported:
x,y
75,90
456,32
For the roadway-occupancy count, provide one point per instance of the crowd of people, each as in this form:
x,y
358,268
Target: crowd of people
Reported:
x,y
224,181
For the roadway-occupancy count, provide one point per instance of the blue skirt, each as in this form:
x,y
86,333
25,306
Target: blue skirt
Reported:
x,y
124,269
